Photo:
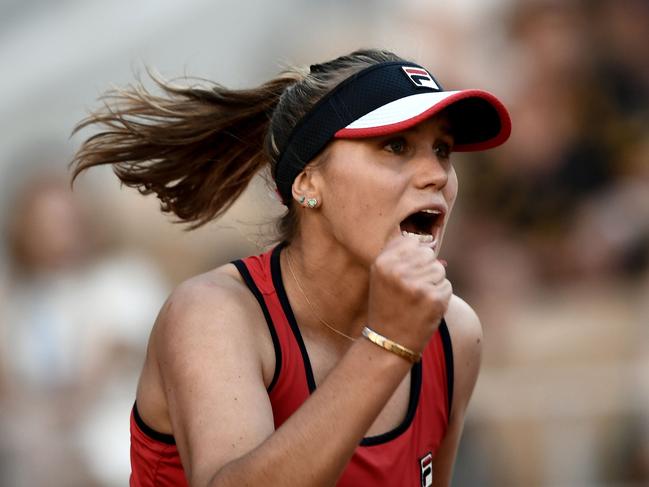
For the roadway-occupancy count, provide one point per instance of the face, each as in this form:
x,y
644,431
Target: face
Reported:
x,y
50,227
377,188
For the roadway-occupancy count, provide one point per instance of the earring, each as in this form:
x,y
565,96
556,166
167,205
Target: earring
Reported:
x,y
312,203
301,200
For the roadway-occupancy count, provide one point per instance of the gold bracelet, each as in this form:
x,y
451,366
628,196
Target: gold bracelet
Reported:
x,y
390,346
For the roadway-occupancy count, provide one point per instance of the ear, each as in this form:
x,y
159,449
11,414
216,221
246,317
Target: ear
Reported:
x,y
306,184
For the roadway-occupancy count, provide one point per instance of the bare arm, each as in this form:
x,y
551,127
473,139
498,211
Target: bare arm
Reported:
x,y
220,411
466,336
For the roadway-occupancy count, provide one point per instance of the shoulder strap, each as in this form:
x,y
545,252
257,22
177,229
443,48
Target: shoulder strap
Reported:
x,y
251,282
292,380
448,357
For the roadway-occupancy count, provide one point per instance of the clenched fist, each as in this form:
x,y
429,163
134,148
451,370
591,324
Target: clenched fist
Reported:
x,y
409,293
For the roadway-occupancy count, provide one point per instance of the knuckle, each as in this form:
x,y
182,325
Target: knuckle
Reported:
x,y
419,292
439,268
446,286
450,287
388,270
381,263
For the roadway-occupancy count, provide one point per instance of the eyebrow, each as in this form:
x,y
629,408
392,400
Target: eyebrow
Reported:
x,y
446,129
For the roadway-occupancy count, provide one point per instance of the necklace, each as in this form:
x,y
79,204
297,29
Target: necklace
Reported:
x,y
290,268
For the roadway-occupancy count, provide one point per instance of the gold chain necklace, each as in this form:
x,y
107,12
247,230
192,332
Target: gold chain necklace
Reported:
x,y
290,268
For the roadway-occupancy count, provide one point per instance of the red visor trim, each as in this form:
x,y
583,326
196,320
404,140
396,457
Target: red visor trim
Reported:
x,y
382,130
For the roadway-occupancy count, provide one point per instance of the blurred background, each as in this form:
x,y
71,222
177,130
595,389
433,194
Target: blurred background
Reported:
x,y
549,242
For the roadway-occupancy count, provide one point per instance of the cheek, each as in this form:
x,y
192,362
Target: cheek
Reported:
x,y
358,203
349,182
355,199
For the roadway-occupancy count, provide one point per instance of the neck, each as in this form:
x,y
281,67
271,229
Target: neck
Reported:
x,y
334,288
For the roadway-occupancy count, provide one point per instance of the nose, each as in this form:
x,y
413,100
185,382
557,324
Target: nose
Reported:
x,y
431,171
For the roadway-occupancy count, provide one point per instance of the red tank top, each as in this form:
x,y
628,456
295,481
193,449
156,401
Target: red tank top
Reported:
x,y
402,456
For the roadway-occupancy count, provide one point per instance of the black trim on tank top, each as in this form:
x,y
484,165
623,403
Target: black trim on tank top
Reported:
x,y
448,356
415,375
250,282
276,273
150,432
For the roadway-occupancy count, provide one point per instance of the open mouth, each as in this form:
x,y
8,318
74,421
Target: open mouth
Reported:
x,y
423,225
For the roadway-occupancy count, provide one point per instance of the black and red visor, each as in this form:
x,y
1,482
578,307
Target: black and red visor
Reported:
x,y
387,98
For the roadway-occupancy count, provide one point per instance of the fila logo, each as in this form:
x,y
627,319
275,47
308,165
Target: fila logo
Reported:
x,y
420,77
426,469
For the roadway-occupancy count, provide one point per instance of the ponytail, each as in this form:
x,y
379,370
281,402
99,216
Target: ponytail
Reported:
x,y
196,148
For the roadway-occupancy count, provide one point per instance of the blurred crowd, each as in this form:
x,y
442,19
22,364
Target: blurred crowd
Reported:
x,y
552,248
74,318
549,243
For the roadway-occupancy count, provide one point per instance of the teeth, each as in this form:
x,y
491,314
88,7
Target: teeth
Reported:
x,y
434,212
421,238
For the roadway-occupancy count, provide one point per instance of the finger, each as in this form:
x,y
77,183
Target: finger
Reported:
x,y
432,278
433,273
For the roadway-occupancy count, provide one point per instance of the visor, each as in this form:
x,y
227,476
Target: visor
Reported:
x,y
387,98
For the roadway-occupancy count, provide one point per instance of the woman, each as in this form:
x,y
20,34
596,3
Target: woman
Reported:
x,y
341,356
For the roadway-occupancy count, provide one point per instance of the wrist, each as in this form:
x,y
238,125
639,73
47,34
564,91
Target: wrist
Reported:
x,y
391,346
378,359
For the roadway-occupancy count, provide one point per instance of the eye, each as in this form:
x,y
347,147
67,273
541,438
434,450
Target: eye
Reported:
x,y
443,150
396,145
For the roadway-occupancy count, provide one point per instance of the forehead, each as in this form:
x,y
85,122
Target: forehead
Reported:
x,y
428,129
437,124
434,126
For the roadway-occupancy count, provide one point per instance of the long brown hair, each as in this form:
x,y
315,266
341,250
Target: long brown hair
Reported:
x,y
198,147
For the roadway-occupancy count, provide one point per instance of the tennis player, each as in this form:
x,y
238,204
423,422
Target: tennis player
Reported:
x,y
340,356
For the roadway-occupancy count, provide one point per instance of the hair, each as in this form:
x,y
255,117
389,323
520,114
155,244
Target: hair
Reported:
x,y
198,147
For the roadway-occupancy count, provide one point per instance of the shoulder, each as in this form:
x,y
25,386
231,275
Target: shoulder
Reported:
x,y
465,330
204,310
214,289
217,291
463,322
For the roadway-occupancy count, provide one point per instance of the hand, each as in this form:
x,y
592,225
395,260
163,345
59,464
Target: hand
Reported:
x,y
409,293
